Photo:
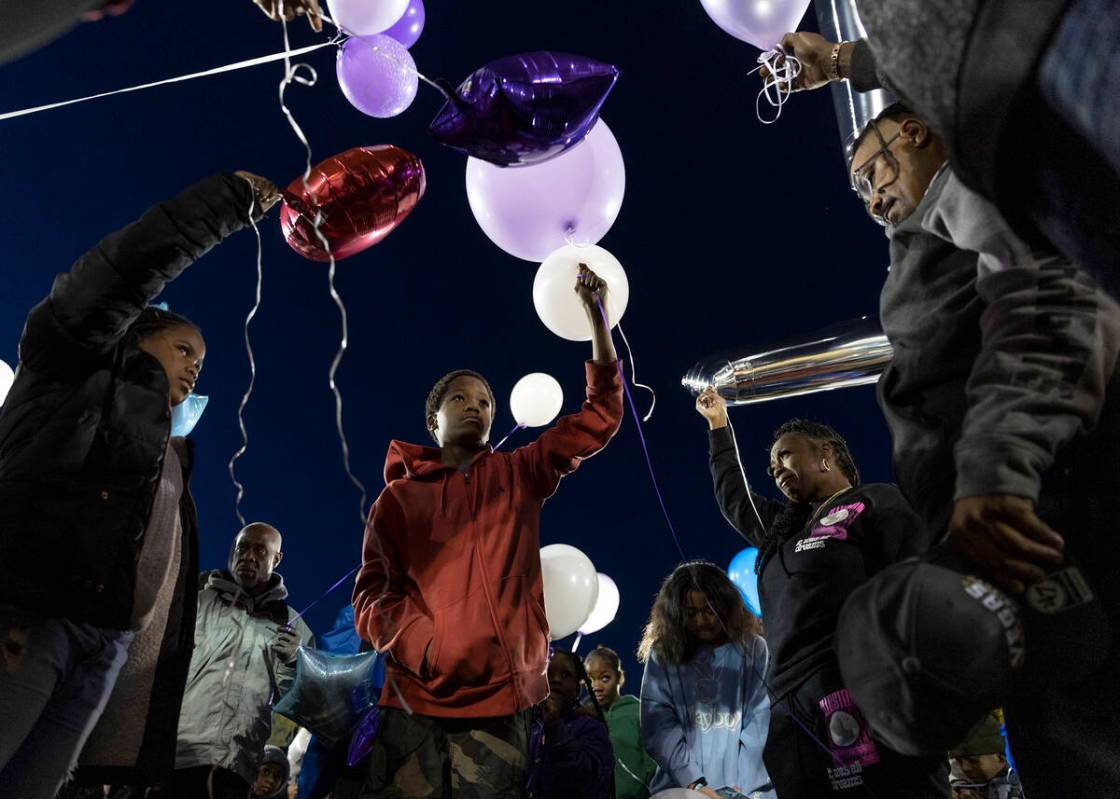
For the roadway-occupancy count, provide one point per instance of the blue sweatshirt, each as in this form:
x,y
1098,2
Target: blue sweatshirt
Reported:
x,y
708,717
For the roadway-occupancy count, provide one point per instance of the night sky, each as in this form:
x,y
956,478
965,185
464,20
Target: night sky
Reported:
x,y
731,232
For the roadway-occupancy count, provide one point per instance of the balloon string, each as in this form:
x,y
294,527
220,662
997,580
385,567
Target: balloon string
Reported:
x,y
251,62
290,76
252,372
322,596
634,374
746,483
676,539
516,427
575,643
783,70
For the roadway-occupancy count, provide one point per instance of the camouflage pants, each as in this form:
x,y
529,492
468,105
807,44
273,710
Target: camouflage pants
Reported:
x,y
421,757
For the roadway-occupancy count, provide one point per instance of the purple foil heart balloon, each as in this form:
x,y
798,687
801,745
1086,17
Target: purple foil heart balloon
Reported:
x,y
524,109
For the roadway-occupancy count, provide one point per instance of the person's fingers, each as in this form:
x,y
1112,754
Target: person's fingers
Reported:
x,y
1038,530
1012,540
315,16
789,42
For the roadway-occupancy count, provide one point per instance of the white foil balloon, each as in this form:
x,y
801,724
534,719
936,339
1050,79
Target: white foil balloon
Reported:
x,y
554,296
536,399
606,606
7,377
571,588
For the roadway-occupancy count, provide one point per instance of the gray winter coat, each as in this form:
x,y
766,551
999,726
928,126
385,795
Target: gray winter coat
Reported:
x,y
235,676
1001,353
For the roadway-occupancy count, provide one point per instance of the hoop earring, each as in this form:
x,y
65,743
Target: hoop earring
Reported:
x,y
825,466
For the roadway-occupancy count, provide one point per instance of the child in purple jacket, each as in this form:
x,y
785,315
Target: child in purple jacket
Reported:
x,y
570,750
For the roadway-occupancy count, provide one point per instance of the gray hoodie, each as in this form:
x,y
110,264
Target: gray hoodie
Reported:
x,y
234,675
1002,353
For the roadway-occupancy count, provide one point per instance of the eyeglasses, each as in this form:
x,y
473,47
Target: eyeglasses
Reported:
x,y
864,175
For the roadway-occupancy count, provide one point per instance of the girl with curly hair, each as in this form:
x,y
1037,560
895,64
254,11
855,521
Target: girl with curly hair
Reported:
x,y
705,713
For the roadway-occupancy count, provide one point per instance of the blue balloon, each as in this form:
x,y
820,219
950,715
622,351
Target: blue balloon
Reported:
x,y
524,109
741,572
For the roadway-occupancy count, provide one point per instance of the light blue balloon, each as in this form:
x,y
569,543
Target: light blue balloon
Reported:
x,y
741,572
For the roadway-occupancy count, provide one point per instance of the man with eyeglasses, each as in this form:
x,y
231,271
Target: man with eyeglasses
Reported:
x,y
1004,407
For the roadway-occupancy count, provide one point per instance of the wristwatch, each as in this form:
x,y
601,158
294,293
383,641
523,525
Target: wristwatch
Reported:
x,y
700,783
834,62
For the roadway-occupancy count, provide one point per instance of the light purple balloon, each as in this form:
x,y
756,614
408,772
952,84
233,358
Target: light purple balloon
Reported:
x,y
377,75
572,198
758,22
410,26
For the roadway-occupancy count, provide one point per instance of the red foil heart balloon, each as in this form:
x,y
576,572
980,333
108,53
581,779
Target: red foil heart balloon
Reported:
x,y
362,194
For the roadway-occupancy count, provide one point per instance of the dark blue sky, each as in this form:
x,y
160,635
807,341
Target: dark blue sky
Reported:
x,y
731,232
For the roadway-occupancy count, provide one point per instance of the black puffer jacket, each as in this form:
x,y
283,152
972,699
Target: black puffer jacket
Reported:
x,y
85,426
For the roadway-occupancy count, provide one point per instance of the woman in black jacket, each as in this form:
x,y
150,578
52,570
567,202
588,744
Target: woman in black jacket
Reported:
x,y
832,535
98,539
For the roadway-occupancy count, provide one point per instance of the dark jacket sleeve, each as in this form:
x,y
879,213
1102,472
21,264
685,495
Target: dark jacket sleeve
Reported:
x,y
91,306
580,757
732,494
899,531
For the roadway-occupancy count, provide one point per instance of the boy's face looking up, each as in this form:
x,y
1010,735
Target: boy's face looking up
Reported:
x,y
465,414
269,779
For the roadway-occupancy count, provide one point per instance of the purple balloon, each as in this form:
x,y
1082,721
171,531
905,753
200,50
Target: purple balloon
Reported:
x,y
524,109
574,198
377,75
410,26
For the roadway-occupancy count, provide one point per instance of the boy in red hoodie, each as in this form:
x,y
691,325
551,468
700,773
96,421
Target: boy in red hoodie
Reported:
x,y
450,585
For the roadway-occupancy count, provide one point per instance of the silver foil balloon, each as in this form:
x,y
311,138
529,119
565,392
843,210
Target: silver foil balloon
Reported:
x,y
852,353
839,22
332,692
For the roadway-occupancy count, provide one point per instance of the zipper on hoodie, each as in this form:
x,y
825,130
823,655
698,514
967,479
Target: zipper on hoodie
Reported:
x,y
470,494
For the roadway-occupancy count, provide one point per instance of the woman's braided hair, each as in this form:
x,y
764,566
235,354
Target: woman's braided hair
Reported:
x,y
154,320
796,514
581,674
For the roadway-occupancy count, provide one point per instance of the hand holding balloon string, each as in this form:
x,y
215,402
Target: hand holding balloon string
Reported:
x,y
780,70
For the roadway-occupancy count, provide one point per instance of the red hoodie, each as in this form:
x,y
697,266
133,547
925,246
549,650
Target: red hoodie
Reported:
x,y
451,564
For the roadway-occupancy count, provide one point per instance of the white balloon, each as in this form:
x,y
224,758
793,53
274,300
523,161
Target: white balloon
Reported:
x,y
571,588
366,17
554,296
536,399
7,377
606,607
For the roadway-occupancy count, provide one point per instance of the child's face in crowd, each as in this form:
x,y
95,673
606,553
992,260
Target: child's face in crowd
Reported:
x,y
269,779
465,415
563,682
605,681
795,465
180,350
699,619
981,768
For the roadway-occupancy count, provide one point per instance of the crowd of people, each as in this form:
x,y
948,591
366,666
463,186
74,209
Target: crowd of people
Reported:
x,y
128,671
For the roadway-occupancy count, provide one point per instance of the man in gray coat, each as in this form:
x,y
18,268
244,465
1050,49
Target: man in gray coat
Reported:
x,y
246,639
1003,404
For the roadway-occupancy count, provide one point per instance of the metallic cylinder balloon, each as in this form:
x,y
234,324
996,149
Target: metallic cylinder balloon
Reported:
x,y
362,194
839,22
852,353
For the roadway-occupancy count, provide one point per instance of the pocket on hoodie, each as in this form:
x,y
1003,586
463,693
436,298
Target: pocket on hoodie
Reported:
x,y
466,649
